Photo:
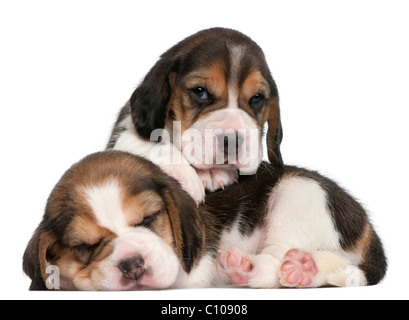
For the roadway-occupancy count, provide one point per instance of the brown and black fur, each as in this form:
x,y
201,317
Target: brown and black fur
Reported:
x,y
69,231
163,97
248,199
196,231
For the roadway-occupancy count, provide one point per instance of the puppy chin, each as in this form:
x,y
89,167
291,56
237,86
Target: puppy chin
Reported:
x,y
247,162
251,163
247,171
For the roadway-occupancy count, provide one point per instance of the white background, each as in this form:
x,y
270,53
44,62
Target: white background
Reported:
x,y
67,67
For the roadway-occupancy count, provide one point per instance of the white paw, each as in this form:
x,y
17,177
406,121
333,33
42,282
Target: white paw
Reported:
x,y
215,179
188,178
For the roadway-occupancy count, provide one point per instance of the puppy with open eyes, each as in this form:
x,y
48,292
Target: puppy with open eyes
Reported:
x,y
217,84
116,221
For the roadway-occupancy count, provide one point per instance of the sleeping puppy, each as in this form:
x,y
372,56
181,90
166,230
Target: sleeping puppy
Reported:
x,y
210,97
116,221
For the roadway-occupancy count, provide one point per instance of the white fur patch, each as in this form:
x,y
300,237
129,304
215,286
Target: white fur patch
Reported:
x,y
129,140
299,218
106,203
236,55
233,98
200,277
250,244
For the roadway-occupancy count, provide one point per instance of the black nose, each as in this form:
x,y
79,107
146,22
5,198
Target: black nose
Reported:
x,y
132,268
229,143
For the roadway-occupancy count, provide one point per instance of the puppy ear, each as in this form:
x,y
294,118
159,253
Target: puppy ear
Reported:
x,y
274,134
150,100
187,224
35,258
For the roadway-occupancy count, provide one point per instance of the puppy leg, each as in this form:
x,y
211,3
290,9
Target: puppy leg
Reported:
x,y
298,218
297,269
254,271
188,179
320,268
165,154
172,161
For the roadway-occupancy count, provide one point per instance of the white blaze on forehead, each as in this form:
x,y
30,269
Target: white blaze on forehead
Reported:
x,y
236,56
233,98
106,203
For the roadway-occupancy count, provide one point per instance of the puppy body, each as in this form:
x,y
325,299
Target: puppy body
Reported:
x,y
210,88
117,222
252,236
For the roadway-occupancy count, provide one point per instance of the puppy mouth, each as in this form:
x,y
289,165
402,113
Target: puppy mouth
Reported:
x,y
131,281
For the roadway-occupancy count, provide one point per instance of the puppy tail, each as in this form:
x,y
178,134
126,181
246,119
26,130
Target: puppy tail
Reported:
x,y
374,263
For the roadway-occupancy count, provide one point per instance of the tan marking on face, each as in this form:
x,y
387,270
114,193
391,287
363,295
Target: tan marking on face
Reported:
x,y
216,81
84,229
68,266
140,206
182,105
254,83
213,78
74,275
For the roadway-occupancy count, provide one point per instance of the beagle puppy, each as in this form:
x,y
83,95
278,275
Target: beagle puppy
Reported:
x,y
200,112
116,221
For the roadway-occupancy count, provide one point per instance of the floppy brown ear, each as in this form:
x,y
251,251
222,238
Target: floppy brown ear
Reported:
x,y
35,258
187,225
149,102
274,134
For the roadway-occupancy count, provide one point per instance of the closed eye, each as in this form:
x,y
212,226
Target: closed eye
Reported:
x,y
148,220
84,252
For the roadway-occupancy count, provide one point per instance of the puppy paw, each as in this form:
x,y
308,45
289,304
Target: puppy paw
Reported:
x,y
188,178
298,269
215,179
236,266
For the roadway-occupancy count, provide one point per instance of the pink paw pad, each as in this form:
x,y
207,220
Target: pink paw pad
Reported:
x,y
298,269
236,266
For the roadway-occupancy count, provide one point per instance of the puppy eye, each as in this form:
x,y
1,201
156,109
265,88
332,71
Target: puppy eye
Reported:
x,y
84,252
201,93
84,247
256,99
148,220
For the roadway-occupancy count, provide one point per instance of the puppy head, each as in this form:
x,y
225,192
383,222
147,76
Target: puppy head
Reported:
x,y
214,86
114,222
